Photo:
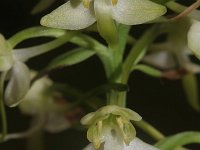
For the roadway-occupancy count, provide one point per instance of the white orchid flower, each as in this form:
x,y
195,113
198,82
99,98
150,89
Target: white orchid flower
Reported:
x,y
76,15
39,102
110,125
175,52
173,56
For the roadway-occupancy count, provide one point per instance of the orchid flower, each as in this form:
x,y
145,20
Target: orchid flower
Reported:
x,y
110,126
16,71
174,52
76,15
12,59
39,102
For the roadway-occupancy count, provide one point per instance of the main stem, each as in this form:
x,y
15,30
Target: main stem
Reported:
x,y
134,56
117,52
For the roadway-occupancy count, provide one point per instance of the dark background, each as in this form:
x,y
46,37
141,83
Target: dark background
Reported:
x,y
161,102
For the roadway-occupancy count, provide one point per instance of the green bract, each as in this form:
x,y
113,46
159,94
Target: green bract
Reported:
x,y
109,121
75,15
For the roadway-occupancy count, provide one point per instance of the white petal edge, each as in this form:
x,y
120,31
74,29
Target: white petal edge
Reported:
x,y
132,12
70,16
136,144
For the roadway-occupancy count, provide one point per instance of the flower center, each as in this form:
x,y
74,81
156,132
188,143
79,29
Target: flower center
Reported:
x,y
114,2
86,3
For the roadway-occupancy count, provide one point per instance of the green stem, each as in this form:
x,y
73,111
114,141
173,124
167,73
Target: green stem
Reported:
x,y
36,142
27,53
2,107
149,129
153,132
36,135
117,52
134,56
139,48
101,50
34,32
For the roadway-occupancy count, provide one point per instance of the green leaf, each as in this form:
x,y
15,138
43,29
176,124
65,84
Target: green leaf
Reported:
x,y
178,140
190,85
148,70
70,58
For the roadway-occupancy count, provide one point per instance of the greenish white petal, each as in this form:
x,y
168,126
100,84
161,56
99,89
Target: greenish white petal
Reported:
x,y
37,100
127,130
72,16
6,56
132,12
94,136
131,115
162,60
194,38
87,120
104,113
18,85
